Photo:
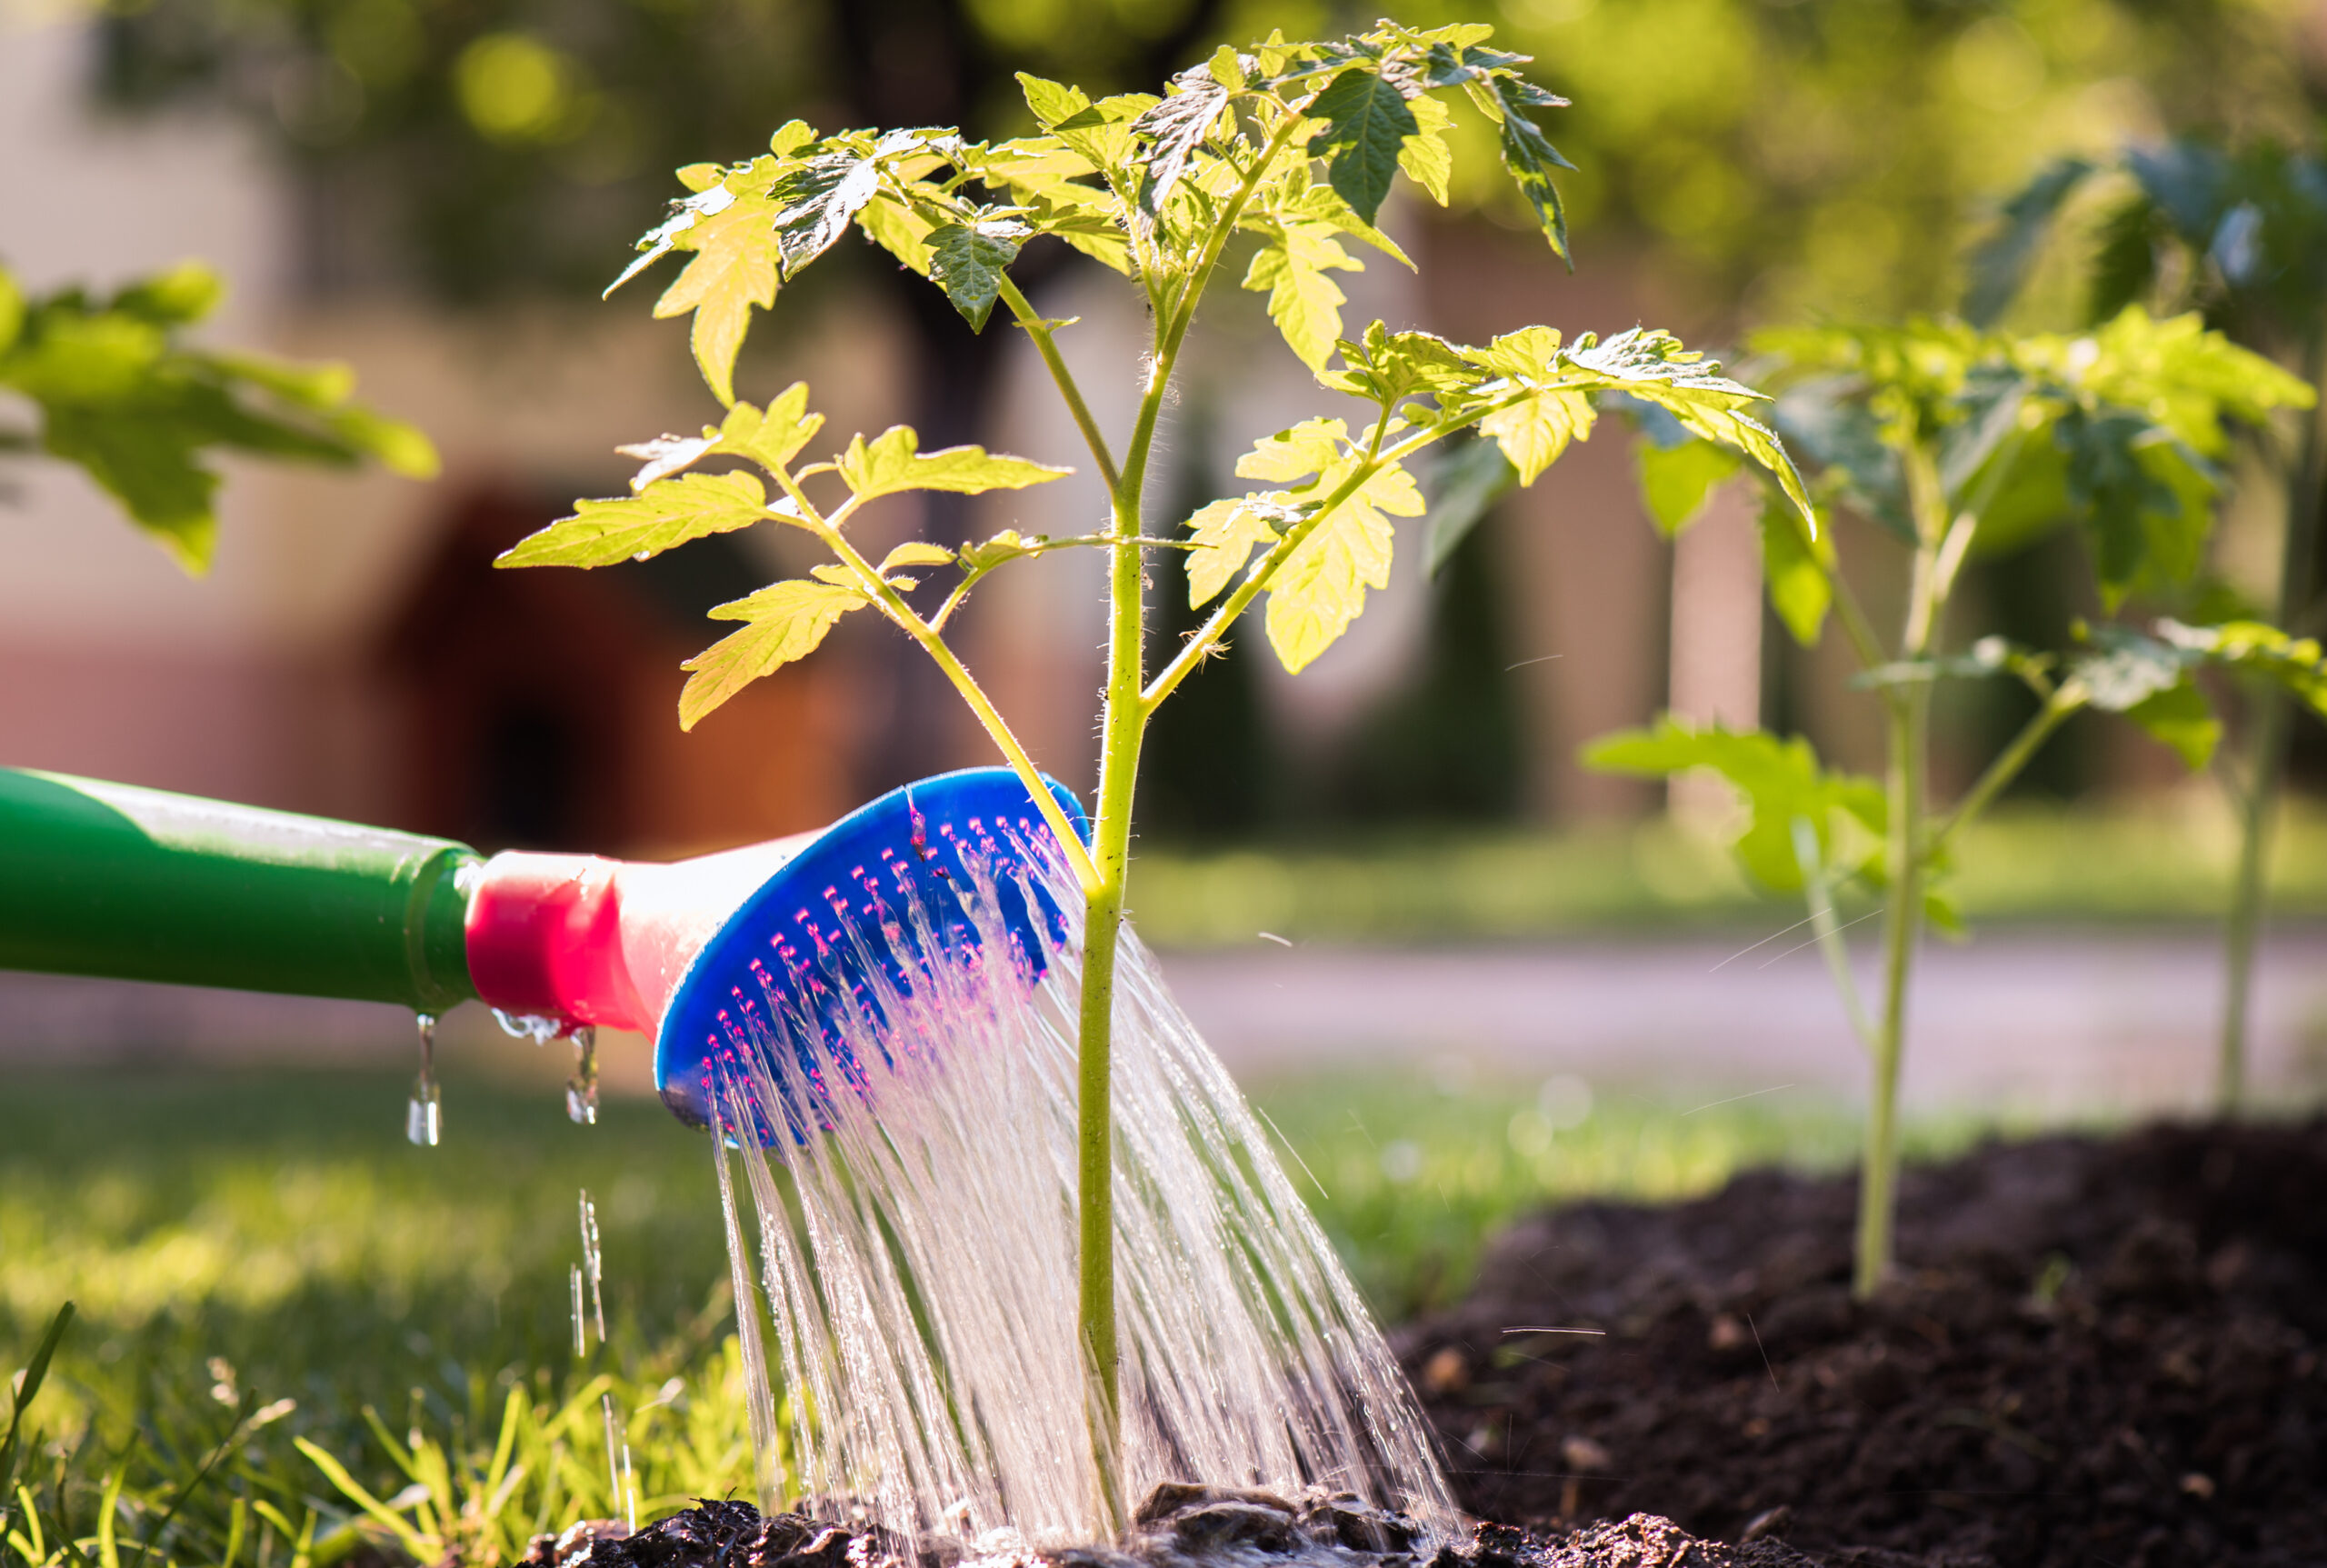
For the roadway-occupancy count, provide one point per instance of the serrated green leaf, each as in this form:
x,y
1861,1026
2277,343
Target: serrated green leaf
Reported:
x,y
1366,126
1677,480
775,438
1305,304
1528,353
2255,647
1309,447
893,463
2180,717
968,261
915,552
1051,102
898,229
1321,588
789,137
734,268
1227,67
1424,155
1799,588
1782,782
2128,669
816,202
1175,127
1226,534
1533,431
1531,158
667,512
788,620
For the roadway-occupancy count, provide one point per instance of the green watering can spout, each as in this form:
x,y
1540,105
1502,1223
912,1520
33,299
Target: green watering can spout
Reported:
x,y
130,884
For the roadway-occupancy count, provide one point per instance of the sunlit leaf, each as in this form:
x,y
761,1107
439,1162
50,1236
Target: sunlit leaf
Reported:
x,y
787,621
892,462
1531,158
1226,533
1305,304
1533,431
815,201
667,512
1424,156
1321,588
1309,447
734,268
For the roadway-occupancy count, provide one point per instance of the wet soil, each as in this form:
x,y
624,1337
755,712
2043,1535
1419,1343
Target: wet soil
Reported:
x,y
1177,1526
2096,1351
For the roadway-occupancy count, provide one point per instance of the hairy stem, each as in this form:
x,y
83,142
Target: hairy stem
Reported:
x,y
1040,332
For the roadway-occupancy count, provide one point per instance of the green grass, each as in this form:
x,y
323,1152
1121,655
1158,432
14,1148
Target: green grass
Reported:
x,y
233,1242
2153,863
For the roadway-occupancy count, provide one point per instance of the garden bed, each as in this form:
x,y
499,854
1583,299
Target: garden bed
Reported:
x,y
2098,1351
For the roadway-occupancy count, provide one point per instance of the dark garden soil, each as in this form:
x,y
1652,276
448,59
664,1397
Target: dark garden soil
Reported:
x,y
1176,1527
2097,1352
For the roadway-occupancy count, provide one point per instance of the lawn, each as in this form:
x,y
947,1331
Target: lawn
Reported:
x,y
236,1242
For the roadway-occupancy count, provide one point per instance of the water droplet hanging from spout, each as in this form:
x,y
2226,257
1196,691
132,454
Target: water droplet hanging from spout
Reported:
x,y
582,1089
423,1117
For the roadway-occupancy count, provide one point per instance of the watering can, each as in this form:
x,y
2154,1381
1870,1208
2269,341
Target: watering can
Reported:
x,y
133,884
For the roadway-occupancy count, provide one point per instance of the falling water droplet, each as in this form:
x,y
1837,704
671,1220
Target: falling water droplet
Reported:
x,y
424,1118
614,1446
593,1265
581,1323
582,1089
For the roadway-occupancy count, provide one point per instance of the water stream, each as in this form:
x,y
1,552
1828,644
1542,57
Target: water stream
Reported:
x,y
911,1232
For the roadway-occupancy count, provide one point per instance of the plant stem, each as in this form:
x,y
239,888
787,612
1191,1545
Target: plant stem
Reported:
x,y
1909,718
2242,925
1040,332
2000,773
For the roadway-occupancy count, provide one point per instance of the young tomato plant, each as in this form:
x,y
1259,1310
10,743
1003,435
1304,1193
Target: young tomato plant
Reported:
x,y
1955,443
2241,236
1289,149
122,398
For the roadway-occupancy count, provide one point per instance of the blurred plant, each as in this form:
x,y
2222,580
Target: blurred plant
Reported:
x,y
1957,444
1293,144
2242,237
121,395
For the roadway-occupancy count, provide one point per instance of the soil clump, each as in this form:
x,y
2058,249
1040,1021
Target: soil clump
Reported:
x,y
2096,1351
1178,1526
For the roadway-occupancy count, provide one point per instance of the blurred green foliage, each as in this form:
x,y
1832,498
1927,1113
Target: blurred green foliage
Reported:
x,y
1779,154
2088,865
121,396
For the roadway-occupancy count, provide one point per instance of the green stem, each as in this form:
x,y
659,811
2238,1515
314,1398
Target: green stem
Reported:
x,y
933,643
1817,889
2000,773
1908,719
2242,927
1041,331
